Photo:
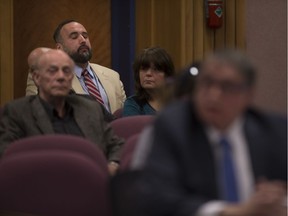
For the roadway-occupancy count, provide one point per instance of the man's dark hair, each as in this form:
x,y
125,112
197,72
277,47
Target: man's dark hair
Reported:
x,y
239,61
56,35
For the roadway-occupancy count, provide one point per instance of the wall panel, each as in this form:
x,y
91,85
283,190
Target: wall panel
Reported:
x,y
35,21
230,24
180,27
6,51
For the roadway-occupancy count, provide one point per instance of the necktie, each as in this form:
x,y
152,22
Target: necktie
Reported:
x,y
228,177
91,87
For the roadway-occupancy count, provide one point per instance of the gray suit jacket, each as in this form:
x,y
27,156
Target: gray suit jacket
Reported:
x,y
27,117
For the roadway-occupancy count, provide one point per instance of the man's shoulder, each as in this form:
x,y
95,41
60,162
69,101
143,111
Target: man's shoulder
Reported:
x,y
82,100
20,102
103,69
177,107
134,99
176,113
269,121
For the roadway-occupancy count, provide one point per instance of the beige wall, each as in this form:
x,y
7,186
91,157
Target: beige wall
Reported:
x,y
266,33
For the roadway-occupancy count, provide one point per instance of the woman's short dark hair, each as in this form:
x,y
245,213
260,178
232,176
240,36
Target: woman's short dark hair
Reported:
x,y
159,58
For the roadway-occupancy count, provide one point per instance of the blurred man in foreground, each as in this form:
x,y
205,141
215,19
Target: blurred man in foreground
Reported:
x,y
215,154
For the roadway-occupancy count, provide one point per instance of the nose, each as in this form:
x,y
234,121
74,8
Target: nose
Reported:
x,y
82,39
61,75
149,71
214,92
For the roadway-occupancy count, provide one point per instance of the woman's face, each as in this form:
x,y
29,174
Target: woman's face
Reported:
x,y
151,78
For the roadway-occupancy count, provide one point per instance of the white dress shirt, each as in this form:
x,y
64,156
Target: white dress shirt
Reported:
x,y
235,135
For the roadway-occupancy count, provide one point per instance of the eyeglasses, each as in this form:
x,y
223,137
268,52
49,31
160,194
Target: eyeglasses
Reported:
x,y
227,87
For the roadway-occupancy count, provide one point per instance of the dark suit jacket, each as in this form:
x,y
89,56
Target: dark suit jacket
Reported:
x,y
27,117
179,175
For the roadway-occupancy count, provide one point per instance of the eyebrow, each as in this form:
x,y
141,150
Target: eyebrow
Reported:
x,y
75,32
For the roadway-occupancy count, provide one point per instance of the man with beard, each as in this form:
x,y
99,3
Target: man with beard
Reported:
x,y
72,37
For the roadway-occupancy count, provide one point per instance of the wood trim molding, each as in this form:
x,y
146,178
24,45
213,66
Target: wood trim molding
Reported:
x,y
6,51
154,26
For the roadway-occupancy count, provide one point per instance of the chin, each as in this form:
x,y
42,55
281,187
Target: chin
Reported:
x,y
60,94
211,119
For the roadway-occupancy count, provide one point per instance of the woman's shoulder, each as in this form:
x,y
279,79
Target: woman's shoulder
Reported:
x,y
134,106
135,100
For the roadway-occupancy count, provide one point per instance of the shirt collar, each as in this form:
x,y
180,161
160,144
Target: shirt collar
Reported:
x,y
78,70
235,129
52,112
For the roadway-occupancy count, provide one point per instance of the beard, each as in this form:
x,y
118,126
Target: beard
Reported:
x,y
83,57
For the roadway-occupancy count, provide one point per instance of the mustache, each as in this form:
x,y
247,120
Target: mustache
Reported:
x,y
83,47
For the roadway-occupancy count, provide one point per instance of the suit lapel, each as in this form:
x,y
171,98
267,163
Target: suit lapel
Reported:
x,y
41,117
257,142
202,154
76,86
205,157
83,119
105,83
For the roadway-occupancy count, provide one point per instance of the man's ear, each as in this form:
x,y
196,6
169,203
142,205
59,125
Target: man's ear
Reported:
x,y
35,77
58,46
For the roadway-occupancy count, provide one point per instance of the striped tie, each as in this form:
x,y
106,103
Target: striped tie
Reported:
x,y
92,89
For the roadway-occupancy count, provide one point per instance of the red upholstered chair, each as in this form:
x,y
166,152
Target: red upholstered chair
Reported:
x,y
118,113
51,180
126,126
53,183
124,187
60,142
1,111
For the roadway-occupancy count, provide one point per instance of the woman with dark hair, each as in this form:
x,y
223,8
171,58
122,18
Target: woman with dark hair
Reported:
x,y
151,68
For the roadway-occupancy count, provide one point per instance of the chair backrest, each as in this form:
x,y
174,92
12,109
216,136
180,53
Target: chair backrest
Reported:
x,y
1,111
124,188
52,142
54,181
118,113
127,126
127,152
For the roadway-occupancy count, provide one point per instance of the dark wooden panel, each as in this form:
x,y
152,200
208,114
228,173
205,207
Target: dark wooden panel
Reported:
x,y
35,21
6,52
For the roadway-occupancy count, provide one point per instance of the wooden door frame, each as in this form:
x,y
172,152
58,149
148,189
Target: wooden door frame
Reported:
x,y
6,51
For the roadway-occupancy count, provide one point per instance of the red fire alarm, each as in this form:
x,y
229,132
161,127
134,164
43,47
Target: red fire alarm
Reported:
x,y
214,13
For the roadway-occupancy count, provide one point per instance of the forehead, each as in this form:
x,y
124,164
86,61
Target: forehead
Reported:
x,y
220,69
73,27
55,58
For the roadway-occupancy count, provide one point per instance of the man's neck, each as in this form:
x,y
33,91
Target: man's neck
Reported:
x,y
58,103
82,65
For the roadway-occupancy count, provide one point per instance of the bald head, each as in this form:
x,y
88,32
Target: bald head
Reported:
x,y
34,55
50,56
53,74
